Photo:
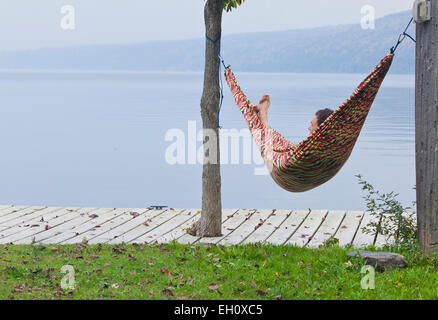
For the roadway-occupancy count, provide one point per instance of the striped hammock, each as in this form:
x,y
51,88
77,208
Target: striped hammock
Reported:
x,y
319,157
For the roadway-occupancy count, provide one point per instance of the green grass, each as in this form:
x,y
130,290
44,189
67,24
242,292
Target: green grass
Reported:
x,y
204,272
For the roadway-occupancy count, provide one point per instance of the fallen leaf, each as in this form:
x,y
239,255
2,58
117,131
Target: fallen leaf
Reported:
x,y
167,292
261,293
213,286
166,271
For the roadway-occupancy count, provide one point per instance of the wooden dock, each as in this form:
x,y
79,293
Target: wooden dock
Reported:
x,y
27,224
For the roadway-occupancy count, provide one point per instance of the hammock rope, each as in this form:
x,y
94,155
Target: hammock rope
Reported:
x,y
402,37
218,83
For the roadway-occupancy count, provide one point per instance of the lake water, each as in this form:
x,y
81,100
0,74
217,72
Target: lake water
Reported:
x,y
98,139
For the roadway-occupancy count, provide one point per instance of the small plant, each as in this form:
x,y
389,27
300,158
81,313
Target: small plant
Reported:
x,y
394,221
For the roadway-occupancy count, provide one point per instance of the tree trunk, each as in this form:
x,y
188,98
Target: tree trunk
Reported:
x,y
426,131
210,223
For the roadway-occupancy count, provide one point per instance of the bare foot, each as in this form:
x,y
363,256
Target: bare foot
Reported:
x,y
262,109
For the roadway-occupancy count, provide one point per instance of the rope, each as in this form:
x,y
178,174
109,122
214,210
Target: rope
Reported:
x,y
219,84
402,37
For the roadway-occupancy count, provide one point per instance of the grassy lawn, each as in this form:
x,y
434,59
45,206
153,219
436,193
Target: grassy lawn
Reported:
x,y
204,272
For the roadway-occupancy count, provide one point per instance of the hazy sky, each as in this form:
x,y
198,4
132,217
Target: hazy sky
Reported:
x,y
28,24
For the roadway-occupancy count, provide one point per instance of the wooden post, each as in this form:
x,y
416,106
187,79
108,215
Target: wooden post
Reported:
x,y
426,131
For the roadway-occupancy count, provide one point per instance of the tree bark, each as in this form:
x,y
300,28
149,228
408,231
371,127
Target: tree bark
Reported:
x,y
426,131
210,223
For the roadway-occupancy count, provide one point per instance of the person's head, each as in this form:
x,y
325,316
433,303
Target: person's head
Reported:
x,y
319,118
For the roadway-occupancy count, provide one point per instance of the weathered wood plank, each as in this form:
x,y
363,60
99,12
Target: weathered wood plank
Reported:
x,y
34,222
104,222
27,236
271,224
226,215
23,224
137,228
229,225
99,229
134,228
288,227
32,217
11,209
307,229
20,213
64,228
362,238
181,230
328,228
348,228
174,223
247,227
143,233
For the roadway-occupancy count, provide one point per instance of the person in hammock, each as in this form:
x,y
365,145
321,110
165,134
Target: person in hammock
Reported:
x,y
262,112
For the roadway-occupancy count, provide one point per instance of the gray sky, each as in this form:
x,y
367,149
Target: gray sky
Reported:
x,y
26,24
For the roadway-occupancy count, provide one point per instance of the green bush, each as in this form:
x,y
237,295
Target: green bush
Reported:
x,y
394,221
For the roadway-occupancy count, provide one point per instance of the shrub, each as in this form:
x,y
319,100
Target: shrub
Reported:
x,y
393,219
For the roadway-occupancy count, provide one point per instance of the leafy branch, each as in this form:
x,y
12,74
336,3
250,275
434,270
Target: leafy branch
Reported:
x,y
392,219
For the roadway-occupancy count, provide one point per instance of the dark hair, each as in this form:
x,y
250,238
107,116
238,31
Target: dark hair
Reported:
x,y
323,114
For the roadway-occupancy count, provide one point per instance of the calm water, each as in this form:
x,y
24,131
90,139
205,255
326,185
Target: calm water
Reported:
x,y
98,139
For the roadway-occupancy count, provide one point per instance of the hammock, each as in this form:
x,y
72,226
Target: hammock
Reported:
x,y
319,157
